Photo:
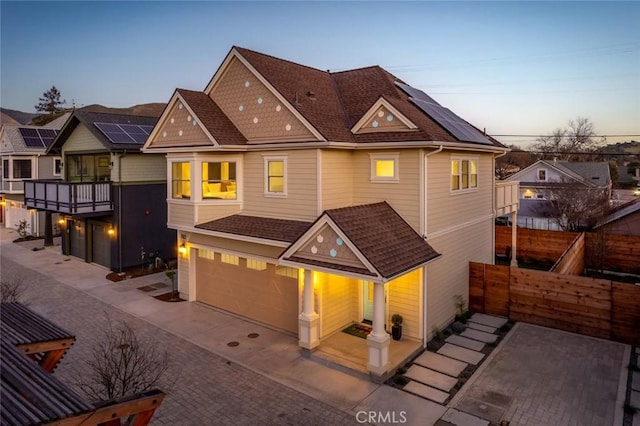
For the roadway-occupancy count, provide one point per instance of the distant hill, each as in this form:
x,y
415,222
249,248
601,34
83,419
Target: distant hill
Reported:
x,y
147,110
630,148
11,116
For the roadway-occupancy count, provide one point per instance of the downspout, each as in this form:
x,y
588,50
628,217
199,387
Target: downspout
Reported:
x,y
493,207
119,233
425,332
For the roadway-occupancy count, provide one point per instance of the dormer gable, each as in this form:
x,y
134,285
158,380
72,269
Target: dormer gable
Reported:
x,y
382,117
255,107
179,127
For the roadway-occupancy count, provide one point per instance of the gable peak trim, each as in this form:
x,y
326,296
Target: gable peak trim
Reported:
x,y
382,102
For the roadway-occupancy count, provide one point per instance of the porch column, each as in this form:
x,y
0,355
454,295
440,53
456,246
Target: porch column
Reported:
x,y
309,320
514,238
378,340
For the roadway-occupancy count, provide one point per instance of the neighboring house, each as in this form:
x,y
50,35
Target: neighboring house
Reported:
x,y
23,157
624,220
111,197
544,181
308,200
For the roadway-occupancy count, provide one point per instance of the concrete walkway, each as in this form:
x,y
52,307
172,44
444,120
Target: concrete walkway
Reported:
x,y
272,354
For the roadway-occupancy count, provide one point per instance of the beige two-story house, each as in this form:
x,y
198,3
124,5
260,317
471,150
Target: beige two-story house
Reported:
x,y
307,200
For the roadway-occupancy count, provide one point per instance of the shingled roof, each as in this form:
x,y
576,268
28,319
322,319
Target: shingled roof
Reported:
x,y
258,227
379,234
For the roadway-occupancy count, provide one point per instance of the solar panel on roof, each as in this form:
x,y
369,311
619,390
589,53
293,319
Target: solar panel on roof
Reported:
x,y
125,133
450,121
415,93
47,135
31,137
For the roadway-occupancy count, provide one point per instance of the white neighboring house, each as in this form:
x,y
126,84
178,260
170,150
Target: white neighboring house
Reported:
x,y
22,155
539,180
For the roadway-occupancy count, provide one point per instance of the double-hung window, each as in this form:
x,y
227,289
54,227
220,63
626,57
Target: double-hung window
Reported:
x,y
22,169
464,173
275,172
181,179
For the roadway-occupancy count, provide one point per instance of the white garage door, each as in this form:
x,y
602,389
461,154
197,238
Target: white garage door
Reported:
x,y
249,288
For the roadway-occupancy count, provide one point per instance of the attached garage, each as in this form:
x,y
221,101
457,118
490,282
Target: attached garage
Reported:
x,y
101,244
249,288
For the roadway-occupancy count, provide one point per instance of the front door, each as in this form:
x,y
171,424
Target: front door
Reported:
x,y
367,301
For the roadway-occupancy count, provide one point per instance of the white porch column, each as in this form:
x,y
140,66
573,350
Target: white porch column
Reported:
x,y
514,238
309,320
378,340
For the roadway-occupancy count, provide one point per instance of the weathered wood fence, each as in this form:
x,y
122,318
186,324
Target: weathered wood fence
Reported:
x,y
589,306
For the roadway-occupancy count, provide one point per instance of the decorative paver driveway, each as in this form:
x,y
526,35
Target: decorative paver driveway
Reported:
x,y
540,376
208,390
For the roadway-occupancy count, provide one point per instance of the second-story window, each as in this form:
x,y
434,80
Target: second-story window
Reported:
x,y
384,168
275,170
542,175
88,168
5,169
57,166
219,180
464,174
181,179
22,169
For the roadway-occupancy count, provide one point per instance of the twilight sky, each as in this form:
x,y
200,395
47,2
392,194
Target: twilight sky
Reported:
x,y
515,68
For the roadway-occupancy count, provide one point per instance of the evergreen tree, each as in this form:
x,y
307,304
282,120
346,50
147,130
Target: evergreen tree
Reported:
x,y
50,102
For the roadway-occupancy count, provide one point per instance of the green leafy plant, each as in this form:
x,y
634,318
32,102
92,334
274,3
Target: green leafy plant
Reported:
x,y
23,228
396,319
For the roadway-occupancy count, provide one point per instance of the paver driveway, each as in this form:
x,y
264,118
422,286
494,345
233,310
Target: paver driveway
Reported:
x,y
208,390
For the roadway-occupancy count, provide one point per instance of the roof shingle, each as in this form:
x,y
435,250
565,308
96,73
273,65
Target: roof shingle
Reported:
x,y
258,227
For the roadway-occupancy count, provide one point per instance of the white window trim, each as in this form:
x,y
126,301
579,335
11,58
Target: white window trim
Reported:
x,y
170,179
266,160
470,189
538,175
54,166
12,168
392,156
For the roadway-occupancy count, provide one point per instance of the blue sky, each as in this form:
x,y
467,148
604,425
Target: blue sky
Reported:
x,y
511,67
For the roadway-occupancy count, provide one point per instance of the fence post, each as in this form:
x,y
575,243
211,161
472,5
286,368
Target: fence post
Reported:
x,y
484,289
611,307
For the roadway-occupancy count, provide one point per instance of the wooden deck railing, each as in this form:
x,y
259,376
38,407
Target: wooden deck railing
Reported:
x,y
68,197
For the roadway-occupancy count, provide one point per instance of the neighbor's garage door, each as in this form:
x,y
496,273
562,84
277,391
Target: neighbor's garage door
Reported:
x,y
261,295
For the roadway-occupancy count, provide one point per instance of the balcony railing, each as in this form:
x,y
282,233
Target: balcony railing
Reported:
x,y
68,197
12,186
507,197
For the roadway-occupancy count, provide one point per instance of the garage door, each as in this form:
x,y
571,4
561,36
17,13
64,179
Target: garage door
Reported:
x,y
77,241
101,245
250,289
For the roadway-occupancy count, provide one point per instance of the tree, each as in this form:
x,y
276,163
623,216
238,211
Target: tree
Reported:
x,y
122,363
513,161
574,208
567,144
50,102
614,173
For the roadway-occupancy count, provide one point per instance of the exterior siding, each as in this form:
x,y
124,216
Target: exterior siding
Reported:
x,y
81,139
404,296
140,168
338,302
300,202
224,245
207,212
448,276
180,214
45,167
446,209
337,179
403,196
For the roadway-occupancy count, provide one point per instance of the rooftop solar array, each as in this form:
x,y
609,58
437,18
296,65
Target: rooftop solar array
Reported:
x,y
444,116
37,138
125,133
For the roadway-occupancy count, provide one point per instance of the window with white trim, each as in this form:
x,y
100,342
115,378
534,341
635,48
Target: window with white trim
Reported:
x,y
542,175
464,174
230,259
275,175
5,169
181,179
22,169
258,265
57,166
286,271
384,167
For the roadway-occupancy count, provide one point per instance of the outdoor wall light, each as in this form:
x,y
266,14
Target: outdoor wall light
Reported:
x,y
61,221
111,231
182,249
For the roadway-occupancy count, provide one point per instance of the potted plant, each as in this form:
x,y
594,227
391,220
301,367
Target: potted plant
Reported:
x,y
396,327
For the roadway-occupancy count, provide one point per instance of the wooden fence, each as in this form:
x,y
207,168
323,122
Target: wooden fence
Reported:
x,y
571,262
594,307
614,252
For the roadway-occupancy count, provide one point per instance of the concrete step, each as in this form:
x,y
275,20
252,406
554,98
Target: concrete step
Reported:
x,y
479,336
490,320
460,418
481,327
465,342
443,364
426,392
431,378
461,354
